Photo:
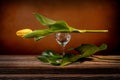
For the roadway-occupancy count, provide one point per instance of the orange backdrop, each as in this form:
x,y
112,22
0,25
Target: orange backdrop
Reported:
x,y
81,14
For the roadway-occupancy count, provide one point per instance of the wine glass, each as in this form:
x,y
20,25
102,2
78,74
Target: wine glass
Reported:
x,y
63,39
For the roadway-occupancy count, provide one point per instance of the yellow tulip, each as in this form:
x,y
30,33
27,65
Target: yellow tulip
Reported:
x,y
22,32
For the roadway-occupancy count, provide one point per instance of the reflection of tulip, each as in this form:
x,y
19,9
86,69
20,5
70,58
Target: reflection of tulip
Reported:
x,y
22,32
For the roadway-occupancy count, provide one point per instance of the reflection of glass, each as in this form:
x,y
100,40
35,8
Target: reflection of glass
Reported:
x,y
63,39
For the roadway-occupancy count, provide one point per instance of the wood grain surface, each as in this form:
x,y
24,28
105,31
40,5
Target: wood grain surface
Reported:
x,y
28,67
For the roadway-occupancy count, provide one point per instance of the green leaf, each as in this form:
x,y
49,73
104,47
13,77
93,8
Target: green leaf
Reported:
x,y
38,34
43,20
87,50
103,47
50,57
61,26
55,26
67,59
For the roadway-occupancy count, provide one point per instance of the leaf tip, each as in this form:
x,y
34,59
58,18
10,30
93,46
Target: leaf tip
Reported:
x,y
103,46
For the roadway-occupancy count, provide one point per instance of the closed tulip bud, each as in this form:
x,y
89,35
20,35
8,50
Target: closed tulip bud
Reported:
x,y
22,32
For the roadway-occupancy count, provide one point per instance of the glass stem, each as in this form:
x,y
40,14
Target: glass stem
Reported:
x,y
63,49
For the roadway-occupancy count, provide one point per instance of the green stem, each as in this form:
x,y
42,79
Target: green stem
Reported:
x,y
81,31
92,31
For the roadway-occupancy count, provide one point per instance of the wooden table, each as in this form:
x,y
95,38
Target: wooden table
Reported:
x,y
28,67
